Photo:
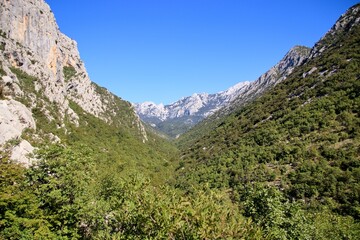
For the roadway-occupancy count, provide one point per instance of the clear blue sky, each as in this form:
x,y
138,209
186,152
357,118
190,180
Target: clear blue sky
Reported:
x,y
162,50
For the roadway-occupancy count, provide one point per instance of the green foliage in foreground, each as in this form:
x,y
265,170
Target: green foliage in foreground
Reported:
x,y
65,196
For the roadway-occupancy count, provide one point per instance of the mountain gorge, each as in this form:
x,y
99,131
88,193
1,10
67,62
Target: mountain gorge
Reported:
x,y
276,158
176,118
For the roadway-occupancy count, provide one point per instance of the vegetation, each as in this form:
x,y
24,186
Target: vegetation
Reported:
x,y
2,95
68,196
69,72
2,46
175,127
27,82
3,34
294,152
2,71
121,147
285,166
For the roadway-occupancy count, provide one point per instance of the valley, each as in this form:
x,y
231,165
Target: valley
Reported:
x,y
275,158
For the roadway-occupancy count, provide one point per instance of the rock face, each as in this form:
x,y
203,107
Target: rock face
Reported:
x,y
14,118
344,24
34,42
178,117
21,153
31,44
293,58
201,105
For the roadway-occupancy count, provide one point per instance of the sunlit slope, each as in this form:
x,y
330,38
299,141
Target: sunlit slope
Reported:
x,y
301,137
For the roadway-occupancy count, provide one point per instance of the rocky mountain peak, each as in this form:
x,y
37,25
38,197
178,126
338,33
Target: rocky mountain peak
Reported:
x,y
295,57
190,110
345,23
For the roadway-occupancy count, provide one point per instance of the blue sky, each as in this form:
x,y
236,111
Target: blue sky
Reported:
x,y
162,50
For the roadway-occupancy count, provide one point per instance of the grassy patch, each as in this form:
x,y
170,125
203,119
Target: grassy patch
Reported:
x,y
69,72
27,82
2,71
3,34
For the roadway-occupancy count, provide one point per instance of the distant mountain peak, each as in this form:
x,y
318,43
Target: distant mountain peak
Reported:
x,y
178,117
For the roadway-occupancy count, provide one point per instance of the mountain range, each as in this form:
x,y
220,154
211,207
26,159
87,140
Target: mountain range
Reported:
x,y
176,118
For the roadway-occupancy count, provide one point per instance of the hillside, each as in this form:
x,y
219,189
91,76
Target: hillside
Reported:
x,y
47,97
293,58
298,142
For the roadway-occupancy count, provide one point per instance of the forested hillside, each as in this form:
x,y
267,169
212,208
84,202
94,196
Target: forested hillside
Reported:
x,y
295,146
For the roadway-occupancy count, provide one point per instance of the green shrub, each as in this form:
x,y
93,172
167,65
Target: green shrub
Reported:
x,y
69,72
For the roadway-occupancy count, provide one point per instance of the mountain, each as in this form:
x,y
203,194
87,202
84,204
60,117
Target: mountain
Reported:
x,y
176,118
46,95
296,146
293,58
181,115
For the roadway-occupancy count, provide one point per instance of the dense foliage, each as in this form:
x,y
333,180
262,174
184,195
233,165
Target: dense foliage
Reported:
x,y
69,72
67,196
297,146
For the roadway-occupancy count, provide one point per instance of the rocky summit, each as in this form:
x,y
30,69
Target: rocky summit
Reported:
x,y
186,112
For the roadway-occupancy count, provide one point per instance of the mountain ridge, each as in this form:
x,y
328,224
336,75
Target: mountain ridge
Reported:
x,y
299,140
176,118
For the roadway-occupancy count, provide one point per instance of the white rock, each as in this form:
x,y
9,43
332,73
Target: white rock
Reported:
x,y
35,44
21,153
14,118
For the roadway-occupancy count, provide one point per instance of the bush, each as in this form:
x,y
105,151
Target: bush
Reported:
x,y
69,72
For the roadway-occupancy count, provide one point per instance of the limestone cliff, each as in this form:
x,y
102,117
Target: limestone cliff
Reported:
x,y
41,67
34,43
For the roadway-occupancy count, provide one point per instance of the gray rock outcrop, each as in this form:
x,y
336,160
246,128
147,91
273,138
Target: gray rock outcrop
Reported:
x,y
34,43
14,118
296,56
